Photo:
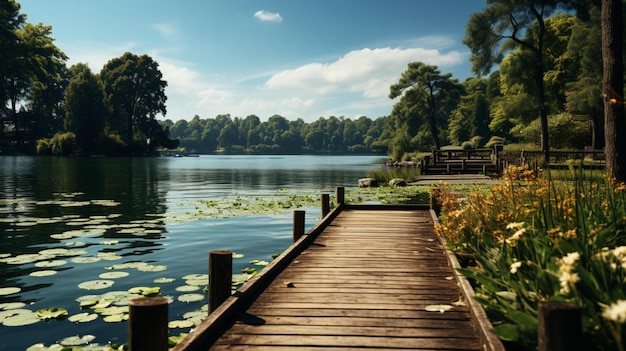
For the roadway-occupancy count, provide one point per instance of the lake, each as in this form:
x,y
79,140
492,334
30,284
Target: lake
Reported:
x,y
83,231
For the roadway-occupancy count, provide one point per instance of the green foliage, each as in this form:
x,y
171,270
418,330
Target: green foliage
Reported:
x,y
134,92
84,106
564,131
278,135
44,147
60,144
546,240
426,96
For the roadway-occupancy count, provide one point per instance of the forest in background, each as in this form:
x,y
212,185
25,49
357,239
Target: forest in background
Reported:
x,y
50,108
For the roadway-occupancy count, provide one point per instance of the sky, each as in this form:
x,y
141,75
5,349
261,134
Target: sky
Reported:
x,y
295,58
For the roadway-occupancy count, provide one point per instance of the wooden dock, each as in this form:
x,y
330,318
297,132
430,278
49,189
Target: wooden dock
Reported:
x,y
367,277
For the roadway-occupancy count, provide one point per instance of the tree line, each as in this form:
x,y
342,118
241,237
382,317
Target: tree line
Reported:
x,y
540,83
278,135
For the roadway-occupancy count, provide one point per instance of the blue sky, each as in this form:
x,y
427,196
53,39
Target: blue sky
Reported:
x,y
296,58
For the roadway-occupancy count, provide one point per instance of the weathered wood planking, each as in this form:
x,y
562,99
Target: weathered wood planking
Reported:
x,y
363,281
379,253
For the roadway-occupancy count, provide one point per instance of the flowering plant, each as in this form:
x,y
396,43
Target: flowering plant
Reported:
x,y
535,239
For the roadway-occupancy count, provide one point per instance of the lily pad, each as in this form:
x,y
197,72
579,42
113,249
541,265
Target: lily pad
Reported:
x,y
96,284
180,324
51,313
113,275
18,317
164,280
109,256
188,288
9,290
190,298
44,273
86,259
116,318
77,340
11,305
47,264
111,311
145,291
152,268
196,277
259,263
83,317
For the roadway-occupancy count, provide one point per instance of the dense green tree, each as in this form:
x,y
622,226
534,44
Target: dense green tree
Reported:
x,y
472,116
49,79
583,96
425,93
33,65
84,107
134,92
505,25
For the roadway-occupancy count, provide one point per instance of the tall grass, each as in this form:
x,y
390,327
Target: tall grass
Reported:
x,y
545,238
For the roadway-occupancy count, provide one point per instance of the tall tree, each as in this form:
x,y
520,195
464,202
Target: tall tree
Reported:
x,y
48,79
613,88
501,27
424,88
134,92
85,110
10,21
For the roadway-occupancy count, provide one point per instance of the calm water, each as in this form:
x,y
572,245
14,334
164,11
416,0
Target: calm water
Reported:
x,y
77,218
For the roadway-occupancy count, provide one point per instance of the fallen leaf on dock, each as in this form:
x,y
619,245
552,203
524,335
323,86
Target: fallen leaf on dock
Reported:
x,y
438,308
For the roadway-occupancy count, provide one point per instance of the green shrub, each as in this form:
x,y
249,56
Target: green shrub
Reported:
x,y
43,147
63,144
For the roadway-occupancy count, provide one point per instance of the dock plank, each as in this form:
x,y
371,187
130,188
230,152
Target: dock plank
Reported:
x,y
365,281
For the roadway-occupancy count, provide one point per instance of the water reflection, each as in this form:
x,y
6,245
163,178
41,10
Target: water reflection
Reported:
x,y
95,213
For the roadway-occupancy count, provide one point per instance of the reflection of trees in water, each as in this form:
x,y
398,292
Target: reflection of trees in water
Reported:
x,y
42,196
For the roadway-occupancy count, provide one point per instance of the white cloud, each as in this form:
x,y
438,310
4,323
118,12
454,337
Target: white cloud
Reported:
x,y
368,72
267,16
167,30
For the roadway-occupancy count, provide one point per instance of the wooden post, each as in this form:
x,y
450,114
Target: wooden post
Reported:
x,y
325,204
220,277
147,326
298,225
560,326
341,195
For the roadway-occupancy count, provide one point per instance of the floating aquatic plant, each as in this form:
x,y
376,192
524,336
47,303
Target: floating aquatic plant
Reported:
x,y
187,298
9,290
43,273
96,284
18,317
145,291
83,317
46,314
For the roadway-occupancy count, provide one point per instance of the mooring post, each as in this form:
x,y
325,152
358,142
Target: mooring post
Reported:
x,y
220,277
325,204
560,326
341,195
147,324
298,224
